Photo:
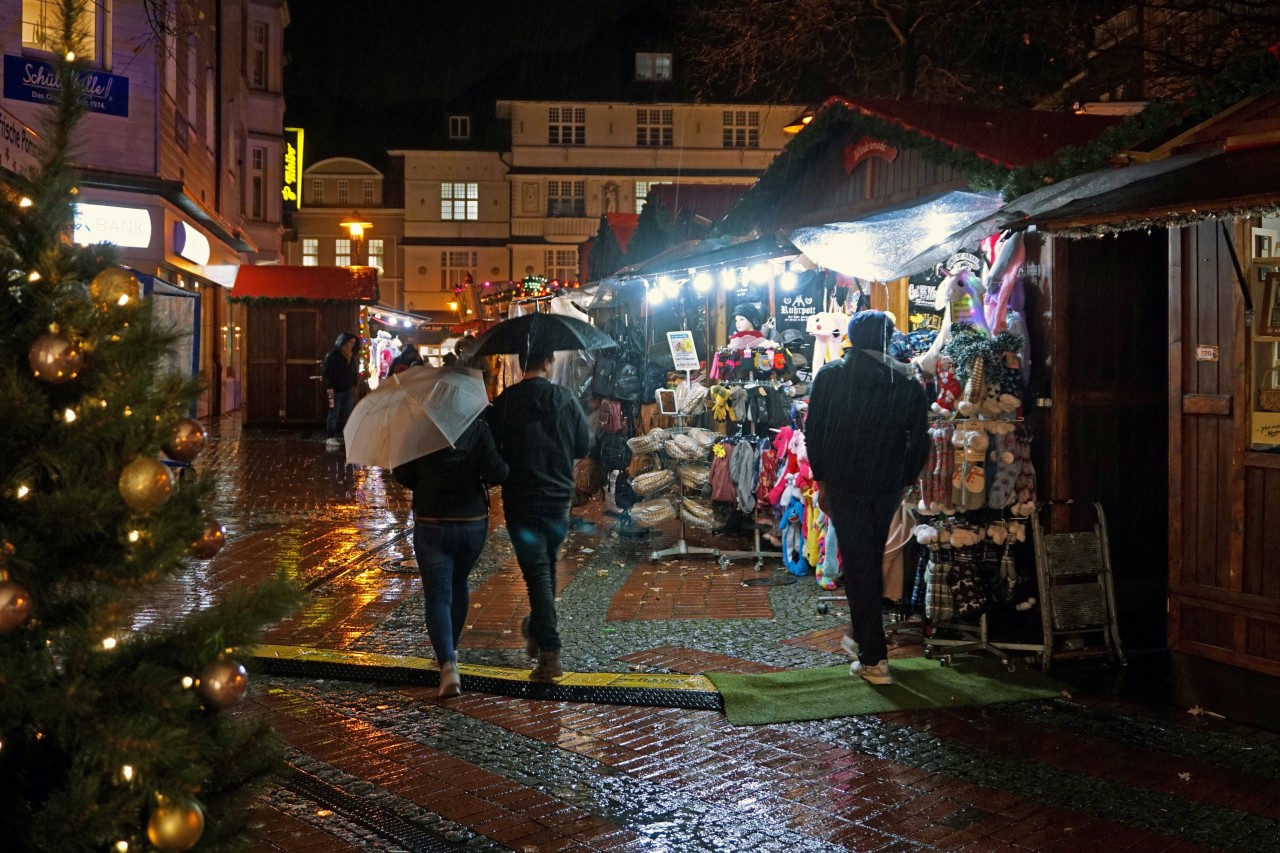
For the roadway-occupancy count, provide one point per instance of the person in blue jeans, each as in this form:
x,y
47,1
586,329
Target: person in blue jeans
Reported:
x,y
341,375
451,524
540,429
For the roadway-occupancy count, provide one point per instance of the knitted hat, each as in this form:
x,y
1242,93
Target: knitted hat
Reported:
x,y
870,330
751,312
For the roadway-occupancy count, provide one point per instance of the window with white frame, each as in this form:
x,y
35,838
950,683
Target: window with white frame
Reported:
x,y
310,252
454,266
376,252
317,192
642,193
41,27
566,198
258,183
566,125
257,55
342,252
561,264
460,200
653,128
741,129
342,192
366,192
459,127
653,66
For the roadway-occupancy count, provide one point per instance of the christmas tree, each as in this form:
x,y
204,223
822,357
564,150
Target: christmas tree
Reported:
x,y
111,738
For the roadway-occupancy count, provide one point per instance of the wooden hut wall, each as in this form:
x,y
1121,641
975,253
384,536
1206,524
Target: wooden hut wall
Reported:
x,y
286,345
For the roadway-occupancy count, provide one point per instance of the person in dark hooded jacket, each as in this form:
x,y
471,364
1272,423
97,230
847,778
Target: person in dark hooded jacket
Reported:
x,y
540,429
341,375
867,434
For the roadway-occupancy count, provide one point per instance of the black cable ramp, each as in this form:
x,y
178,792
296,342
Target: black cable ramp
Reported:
x,y
662,690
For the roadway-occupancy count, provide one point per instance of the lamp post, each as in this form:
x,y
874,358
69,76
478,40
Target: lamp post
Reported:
x,y
356,225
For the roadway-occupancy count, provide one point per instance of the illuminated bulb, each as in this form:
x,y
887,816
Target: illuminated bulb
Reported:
x,y
122,846
669,286
188,682
728,279
109,643
655,296
69,415
34,276
788,280
71,56
702,282
25,203
760,273
102,403
127,411
134,536
23,491
123,300
126,773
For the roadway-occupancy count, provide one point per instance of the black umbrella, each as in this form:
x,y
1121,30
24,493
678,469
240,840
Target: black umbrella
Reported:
x,y
541,333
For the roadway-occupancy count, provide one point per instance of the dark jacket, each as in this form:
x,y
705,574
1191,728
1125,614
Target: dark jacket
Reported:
x,y
338,373
540,429
867,431
450,483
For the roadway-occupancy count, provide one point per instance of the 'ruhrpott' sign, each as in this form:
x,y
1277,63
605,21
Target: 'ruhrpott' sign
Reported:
x,y
34,80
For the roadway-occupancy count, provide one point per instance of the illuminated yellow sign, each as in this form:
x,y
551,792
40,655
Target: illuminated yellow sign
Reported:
x,y
291,191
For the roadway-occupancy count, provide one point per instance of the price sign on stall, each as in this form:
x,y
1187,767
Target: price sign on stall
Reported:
x,y
683,352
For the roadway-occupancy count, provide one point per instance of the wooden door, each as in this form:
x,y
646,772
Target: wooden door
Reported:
x,y
302,355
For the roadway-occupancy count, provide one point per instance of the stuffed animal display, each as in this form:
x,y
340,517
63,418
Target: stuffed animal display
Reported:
x,y
828,329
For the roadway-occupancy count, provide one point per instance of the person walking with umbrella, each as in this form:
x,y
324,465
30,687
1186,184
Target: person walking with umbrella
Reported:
x,y
451,515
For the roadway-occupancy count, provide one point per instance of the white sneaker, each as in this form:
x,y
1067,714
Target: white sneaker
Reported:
x,y
333,442
878,674
850,646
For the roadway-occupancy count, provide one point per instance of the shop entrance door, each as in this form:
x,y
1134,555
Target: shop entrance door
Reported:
x,y
300,341
1108,428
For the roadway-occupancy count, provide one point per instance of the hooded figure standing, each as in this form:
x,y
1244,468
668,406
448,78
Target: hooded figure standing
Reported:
x,y
341,374
867,434
540,429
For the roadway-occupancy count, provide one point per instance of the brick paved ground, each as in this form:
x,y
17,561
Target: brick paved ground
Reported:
x,y
1097,771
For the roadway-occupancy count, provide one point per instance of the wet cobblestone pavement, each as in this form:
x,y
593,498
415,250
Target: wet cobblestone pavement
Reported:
x,y
391,768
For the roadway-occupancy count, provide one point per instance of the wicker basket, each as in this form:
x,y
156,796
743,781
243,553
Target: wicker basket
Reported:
x,y
1269,398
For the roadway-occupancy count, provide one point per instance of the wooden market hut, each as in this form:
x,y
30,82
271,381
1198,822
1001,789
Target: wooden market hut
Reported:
x,y
294,313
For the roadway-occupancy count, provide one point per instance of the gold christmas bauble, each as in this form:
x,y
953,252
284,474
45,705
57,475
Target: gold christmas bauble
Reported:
x,y
144,484
176,823
54,359
15,605
114,287
210,542
187,440
223,683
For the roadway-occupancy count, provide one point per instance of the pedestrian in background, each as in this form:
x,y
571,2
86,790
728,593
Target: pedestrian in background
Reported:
x,y
408,357
867,434
450,526
540,429
341,375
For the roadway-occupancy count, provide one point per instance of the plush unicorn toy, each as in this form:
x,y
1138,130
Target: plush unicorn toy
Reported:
x,y
828,329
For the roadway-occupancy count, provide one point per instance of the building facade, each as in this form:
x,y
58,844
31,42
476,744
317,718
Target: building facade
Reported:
x,y
179,152
498,215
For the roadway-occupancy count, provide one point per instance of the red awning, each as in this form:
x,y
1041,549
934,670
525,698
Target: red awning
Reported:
x,y
340,284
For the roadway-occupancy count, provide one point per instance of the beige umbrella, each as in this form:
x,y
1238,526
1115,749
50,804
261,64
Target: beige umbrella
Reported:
x,y
413,413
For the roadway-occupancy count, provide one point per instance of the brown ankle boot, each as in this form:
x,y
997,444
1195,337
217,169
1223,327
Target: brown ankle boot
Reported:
x,y
548,668
450,681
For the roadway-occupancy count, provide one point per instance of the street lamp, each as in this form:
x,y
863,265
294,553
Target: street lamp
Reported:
x,y
356,225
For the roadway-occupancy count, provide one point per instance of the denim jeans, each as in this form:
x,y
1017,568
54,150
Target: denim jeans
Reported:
x,y
446,552
343,402
537,544
862,528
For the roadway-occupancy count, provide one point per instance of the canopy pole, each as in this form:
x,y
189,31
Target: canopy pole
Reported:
x,y
1240,276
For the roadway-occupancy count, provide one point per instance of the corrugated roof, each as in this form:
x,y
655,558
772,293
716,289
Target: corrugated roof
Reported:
x,y
341,284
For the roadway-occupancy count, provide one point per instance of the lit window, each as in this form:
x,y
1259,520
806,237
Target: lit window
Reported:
x,y
459,127
741,129
643,188
566,198
375,252
567,126
653,128
258,184
317,192
310,252
342,252
342,192
460,201
366,192
653,66
561,264
41,27
258,56
454,267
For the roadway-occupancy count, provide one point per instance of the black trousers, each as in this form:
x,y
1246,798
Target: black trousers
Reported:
x,y
862,528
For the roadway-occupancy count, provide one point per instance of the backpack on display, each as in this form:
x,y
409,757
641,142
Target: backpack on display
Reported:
x,y
588,479
654,377
610,416
602,376
615,455
627,383
618,494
